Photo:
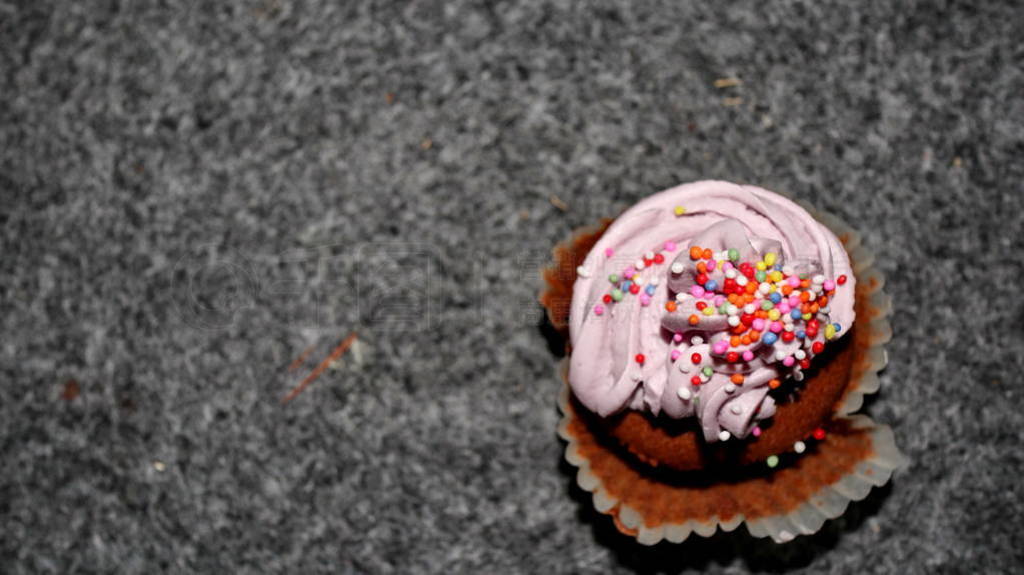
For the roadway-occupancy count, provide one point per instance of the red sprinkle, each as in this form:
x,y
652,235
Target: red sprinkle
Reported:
x,y
819,433
841,280
695,358
818,347
787,336
702,279
640,358
659,259
805,363
634,289
732,357
607,298
695,380
701,305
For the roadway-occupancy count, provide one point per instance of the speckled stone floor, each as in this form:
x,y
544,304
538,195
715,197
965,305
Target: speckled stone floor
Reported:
x,y
193,194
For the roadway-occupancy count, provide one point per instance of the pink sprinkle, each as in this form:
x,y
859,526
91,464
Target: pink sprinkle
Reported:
x,y
675,354
748,355
829,285
696,291
608,252
629,272
711,265
721,346
756,431
670,246
758,324
794,301
776,326
677,337
645,300
789,361
726,266
598,309
719,300
784,307
793,281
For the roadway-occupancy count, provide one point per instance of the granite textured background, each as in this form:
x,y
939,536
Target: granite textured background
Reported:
x,y
194,193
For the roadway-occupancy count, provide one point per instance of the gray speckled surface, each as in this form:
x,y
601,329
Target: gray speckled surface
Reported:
x,y
192,195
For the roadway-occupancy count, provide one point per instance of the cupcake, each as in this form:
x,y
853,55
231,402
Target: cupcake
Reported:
x,y
718,338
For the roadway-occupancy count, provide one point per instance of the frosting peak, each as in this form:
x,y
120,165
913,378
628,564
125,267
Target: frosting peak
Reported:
x,y
700,299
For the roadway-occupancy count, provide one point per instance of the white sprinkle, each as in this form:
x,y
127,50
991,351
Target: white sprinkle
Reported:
x,y
798,375
765,288
654,281
825,310
733,321
780,355
637,280
696,340
730,273
677,268
159,466
818,279
742,281
799,447
736,410
684,366
649,255
583,272
749,308
724,435
732,310
639,264
684,394
788,327
800,354
681,297
812,296
729,387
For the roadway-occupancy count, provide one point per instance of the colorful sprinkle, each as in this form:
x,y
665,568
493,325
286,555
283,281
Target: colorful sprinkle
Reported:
x,y
598,309
679,210
640,358
819,434
772,461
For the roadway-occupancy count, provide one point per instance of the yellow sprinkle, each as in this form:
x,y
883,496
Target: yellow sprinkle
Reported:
x,y
775,276
774,315
830,331
679,210
769,259
760,266
709,310
807,317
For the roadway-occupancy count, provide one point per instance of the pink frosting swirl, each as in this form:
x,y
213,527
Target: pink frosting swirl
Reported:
x,y
631,350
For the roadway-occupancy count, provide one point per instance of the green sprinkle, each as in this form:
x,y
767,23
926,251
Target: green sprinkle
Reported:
x,y
772,460
724,308
760,275
707,371
767,305
614,278
617,294
734,254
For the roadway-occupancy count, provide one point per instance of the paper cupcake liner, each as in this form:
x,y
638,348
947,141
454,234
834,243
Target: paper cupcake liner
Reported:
x,y
794,499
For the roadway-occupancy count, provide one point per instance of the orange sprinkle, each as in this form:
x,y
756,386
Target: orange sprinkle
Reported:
x,y
707,254
774,384
751,287
670,305
702,267
739,329
805,284
737,378
734,341
695,253
732,298
805,296
745,340
761,314
823,300
754,335
787,289
814,308
748,298
694,320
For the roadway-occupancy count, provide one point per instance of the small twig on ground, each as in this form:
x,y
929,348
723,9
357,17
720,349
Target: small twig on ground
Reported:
x,y
558,203
337,353
301,359
727,82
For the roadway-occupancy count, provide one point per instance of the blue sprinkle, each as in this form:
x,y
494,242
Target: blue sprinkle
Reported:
x,y
650,290
777,267
769,338
776,297
626,284
800,334
795,314
837,326
711,285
